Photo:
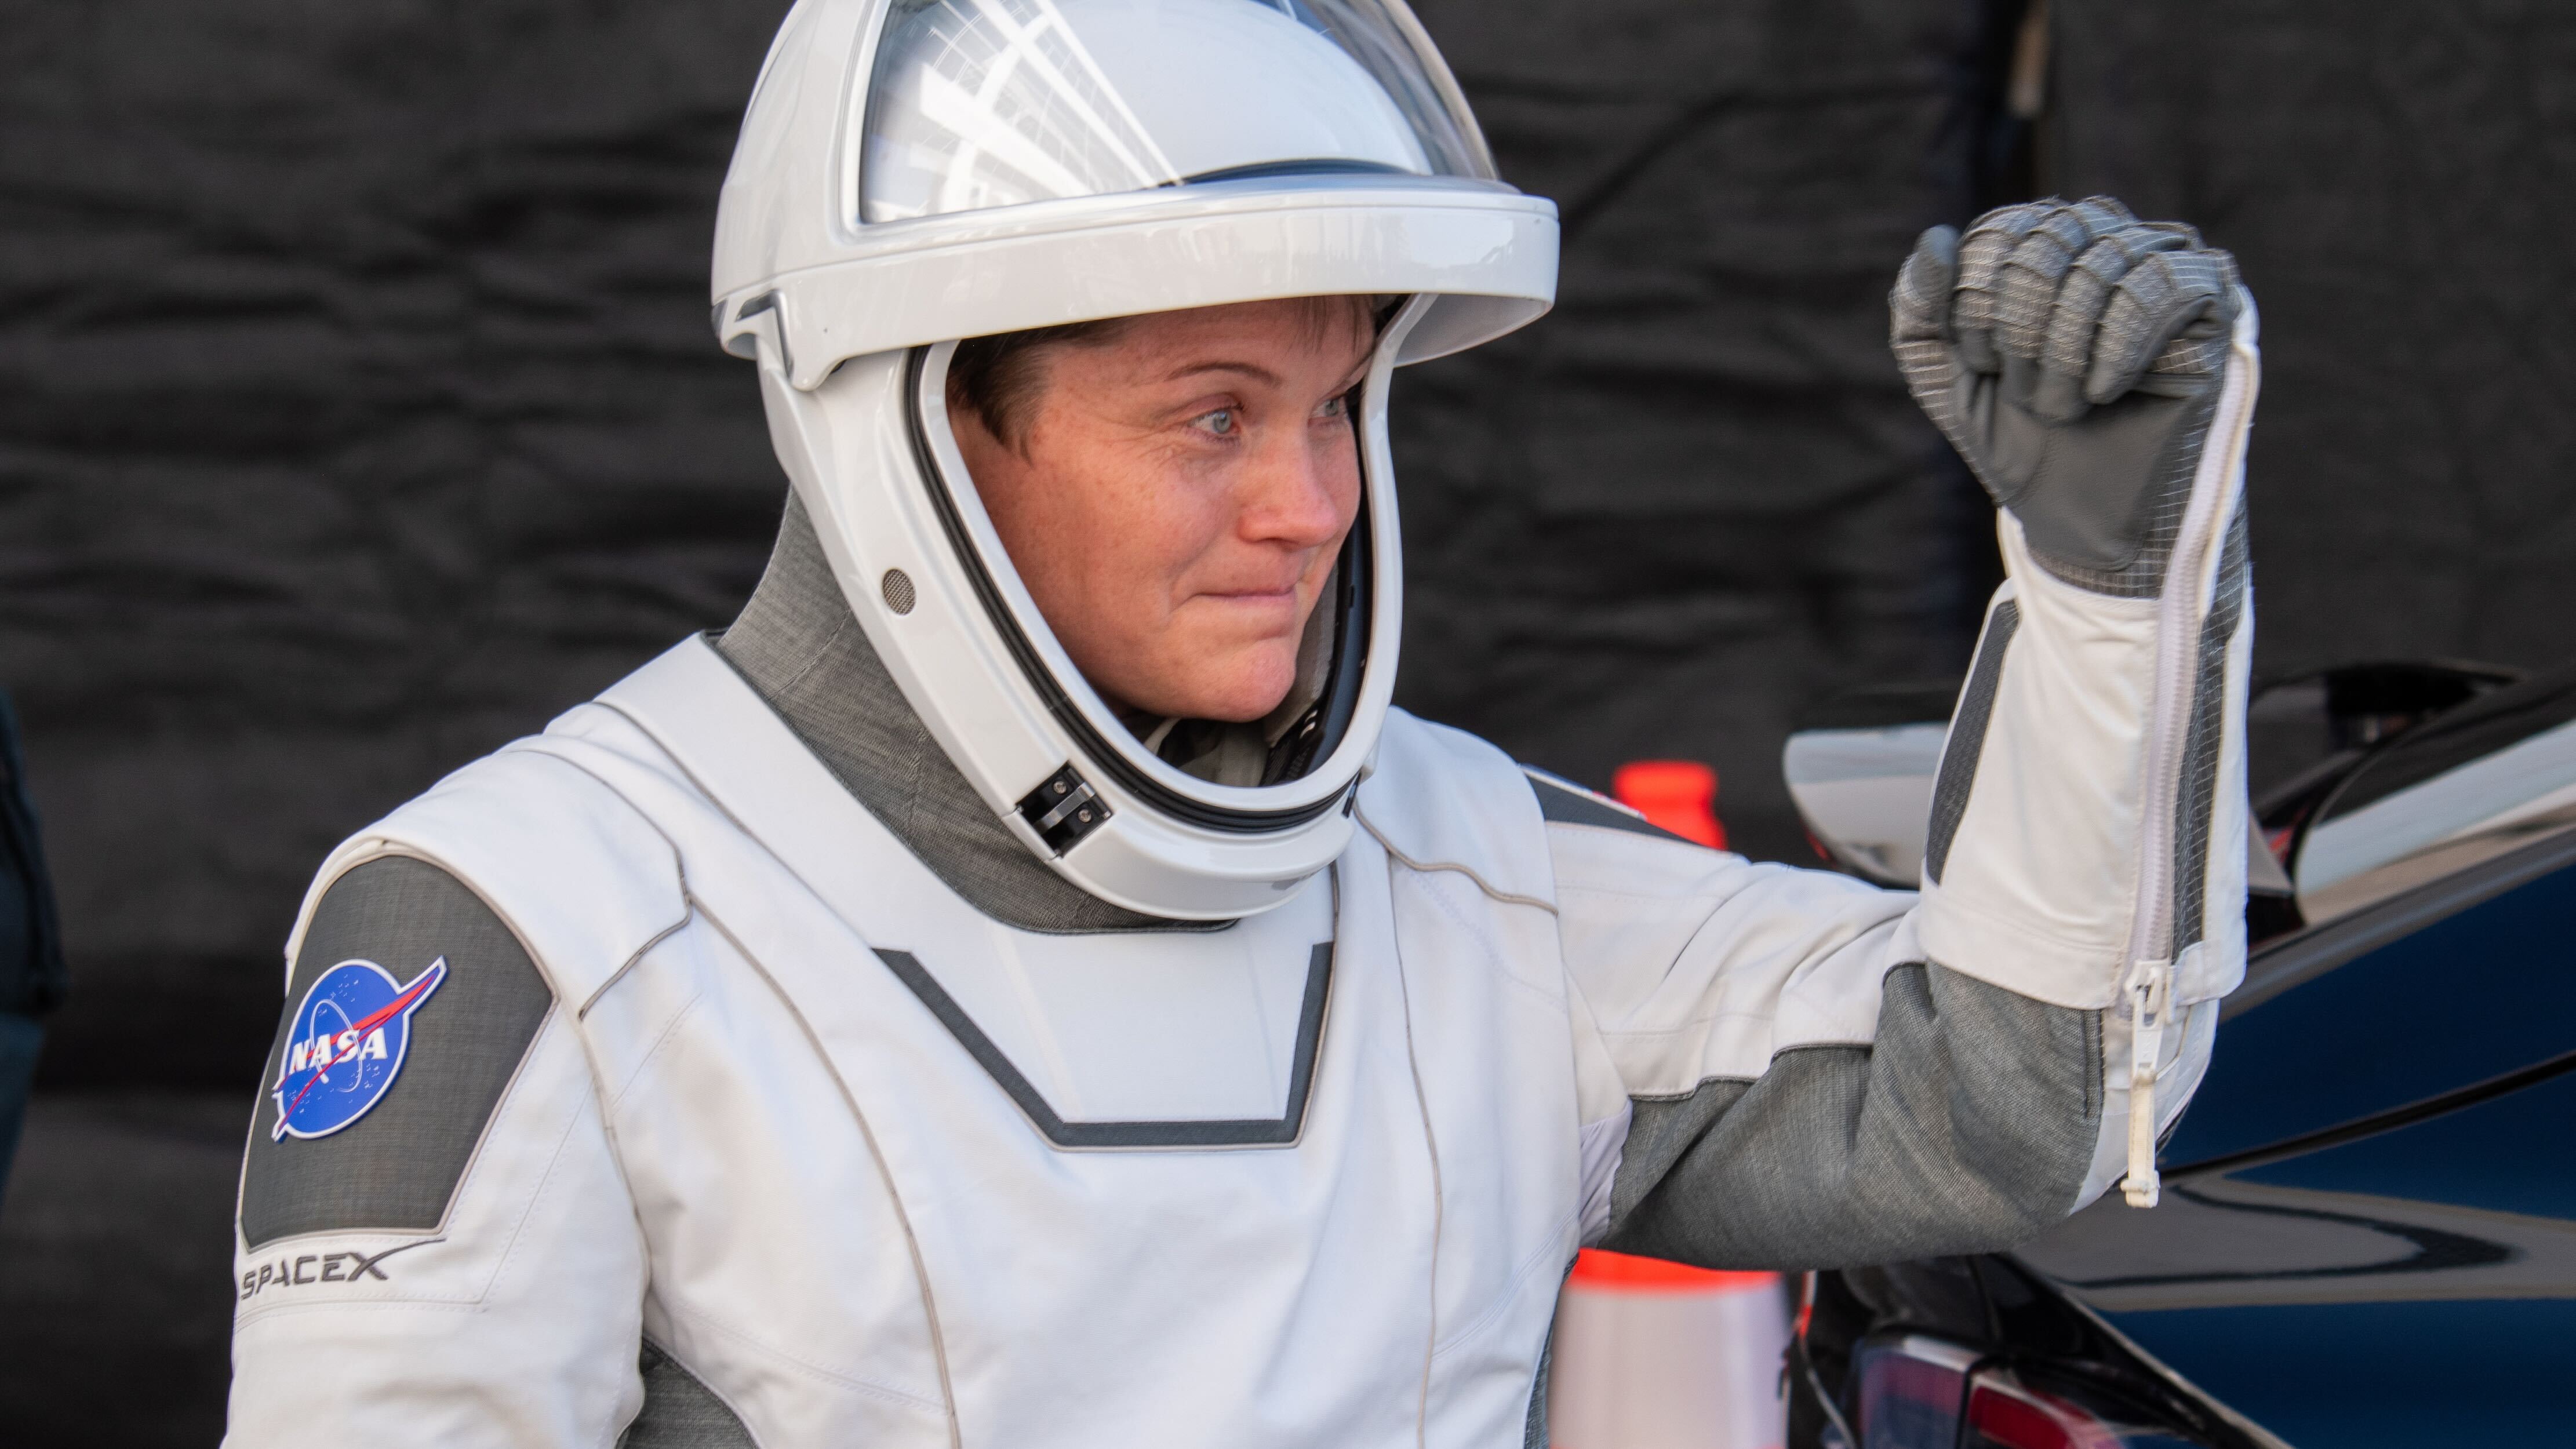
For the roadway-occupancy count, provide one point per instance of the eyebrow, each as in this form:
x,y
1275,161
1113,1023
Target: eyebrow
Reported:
x,y
1263,375
1253,370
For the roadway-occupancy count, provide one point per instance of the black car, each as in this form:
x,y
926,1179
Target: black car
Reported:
x,y
2368,1234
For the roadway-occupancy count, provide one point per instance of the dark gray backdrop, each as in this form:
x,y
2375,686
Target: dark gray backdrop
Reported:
x,y
358,412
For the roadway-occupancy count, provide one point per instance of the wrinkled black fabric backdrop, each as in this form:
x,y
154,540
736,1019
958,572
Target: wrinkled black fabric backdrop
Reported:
x,y
358,411
2400,183
361,412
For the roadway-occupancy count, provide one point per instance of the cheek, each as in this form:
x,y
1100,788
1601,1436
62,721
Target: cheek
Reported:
x,y
1343,490
1161,515
1121,523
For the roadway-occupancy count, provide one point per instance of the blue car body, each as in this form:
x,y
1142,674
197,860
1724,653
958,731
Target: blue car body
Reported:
x,y
2368,1236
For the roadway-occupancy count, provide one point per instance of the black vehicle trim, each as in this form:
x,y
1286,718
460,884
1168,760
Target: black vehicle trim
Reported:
x,y
2435,1250
2378,1122
2471,730
2296,960
2214,1419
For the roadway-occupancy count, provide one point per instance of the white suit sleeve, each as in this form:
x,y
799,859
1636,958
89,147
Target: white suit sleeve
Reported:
x,y
1819,1072
457,1261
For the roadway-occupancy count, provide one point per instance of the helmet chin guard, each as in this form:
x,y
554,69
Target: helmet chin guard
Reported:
x,y
913,172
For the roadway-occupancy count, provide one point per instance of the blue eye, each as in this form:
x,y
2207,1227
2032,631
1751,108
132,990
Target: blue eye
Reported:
x,y
1220,422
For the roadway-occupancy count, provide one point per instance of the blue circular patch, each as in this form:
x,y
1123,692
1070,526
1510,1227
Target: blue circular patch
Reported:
x,y
346,1045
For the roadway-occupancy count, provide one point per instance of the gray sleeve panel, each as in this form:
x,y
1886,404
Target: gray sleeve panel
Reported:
x,y
2196,803
396,1167
680,1412
1561,804
1967,738
1969,1127
1534,1429
1534,1426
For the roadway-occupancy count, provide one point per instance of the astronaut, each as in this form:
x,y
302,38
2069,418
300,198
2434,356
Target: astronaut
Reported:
x,y
1023,984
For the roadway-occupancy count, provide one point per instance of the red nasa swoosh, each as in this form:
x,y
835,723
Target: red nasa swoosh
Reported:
x,y
411,994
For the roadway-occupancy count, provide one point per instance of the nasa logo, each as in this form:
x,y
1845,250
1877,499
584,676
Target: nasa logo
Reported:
x,y
346,1045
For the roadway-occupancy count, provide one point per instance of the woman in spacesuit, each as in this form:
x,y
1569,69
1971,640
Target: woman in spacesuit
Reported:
x,y
1024,984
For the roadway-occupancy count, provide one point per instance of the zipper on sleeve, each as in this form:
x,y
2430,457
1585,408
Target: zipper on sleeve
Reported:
x,y
2190,576
2150,1002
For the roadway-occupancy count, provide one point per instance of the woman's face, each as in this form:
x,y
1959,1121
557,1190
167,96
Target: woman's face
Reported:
x,y
1177,494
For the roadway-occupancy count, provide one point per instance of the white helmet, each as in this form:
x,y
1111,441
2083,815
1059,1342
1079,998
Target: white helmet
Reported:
x,y
915,172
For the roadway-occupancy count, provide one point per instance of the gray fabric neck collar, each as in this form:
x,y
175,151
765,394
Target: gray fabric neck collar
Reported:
x,y
803,652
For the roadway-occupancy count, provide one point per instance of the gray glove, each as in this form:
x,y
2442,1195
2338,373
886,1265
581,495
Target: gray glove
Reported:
x,y
2073,355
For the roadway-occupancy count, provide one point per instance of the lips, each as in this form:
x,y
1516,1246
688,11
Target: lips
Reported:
x,y
1241,589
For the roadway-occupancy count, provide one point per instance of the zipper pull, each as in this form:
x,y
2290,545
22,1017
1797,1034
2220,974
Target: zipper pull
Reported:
x,y
2148,987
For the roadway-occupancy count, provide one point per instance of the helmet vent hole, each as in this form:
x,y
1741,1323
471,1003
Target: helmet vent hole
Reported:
x,y
897,588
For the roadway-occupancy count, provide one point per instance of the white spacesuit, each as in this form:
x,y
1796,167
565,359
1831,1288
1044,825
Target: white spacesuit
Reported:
x,y
848,1030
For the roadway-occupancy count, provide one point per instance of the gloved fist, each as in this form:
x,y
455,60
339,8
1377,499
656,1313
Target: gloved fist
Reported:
x,y
2073,355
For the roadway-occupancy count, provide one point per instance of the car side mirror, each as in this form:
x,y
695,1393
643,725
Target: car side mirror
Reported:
x,y
1866,795
1860,770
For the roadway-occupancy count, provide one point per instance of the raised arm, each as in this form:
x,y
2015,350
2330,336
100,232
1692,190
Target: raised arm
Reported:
x,y
1819,1073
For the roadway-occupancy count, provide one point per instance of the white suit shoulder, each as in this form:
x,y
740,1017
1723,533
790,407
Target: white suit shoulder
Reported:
x,y
1443,799
525,815
468,1168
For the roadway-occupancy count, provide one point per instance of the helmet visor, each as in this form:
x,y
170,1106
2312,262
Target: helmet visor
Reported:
x,y
975,104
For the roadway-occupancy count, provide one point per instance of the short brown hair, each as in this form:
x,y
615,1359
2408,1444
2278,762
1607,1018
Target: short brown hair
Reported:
x,y
998,376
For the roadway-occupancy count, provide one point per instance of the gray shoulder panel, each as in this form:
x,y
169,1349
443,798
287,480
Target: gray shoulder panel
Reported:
x,y
680,1412
1561,803
1968,1127
395,1167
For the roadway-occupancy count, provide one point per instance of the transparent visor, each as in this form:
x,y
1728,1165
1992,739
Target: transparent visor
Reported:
x,y
1299,734
984,103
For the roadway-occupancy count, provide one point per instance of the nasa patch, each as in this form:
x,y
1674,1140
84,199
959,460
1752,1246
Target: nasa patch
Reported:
x,y
346,1046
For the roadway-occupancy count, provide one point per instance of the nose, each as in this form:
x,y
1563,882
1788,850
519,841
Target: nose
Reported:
x,y
1302,489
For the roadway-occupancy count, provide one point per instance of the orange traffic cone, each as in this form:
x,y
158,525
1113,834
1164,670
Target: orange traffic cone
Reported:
x,y
1656,1355
1678,795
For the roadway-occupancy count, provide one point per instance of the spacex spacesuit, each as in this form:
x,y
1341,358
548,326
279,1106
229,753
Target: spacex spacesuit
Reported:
x,y
848,1030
